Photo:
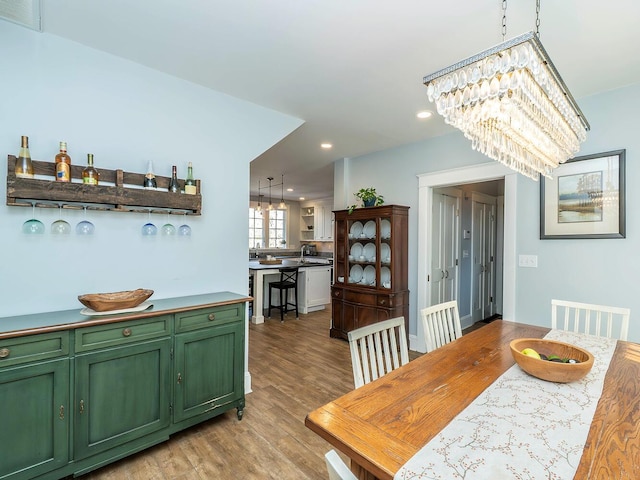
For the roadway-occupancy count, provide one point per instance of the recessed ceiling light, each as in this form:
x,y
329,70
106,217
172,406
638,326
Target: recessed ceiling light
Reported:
x,y
289,189
326,146
424,114
301,198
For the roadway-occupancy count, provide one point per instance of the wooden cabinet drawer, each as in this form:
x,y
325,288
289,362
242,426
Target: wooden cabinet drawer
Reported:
x,y
33,348
207,317
120,333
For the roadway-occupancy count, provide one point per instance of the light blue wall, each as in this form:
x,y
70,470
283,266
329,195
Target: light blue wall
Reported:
x,y
52,89
594,271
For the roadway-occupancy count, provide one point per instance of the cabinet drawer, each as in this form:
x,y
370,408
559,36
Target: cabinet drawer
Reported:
x,y
207,317
120,333
33,348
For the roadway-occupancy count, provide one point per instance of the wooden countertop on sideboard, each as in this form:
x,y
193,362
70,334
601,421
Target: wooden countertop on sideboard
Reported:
x,y
43,322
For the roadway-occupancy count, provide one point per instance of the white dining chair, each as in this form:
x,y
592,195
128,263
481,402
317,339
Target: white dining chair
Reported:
x,y
378,349
599,320
337,468
441,324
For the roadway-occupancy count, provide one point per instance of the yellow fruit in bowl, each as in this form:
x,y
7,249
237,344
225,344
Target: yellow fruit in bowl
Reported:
x,y
530,352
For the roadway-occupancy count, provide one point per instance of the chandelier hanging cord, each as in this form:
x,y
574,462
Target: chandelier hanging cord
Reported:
x,y
538,18
504,20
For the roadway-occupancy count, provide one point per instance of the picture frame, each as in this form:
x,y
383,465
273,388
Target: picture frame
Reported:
x,y
585,198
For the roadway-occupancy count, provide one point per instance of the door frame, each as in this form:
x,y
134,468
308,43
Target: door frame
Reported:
x,y
472,174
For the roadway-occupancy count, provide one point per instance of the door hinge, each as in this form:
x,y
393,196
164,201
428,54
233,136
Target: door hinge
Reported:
x,y
428,277
171,353
491,258
456,262
170,409
491,299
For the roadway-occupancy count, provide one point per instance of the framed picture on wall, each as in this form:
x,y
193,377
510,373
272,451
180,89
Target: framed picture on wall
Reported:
x,y
585,198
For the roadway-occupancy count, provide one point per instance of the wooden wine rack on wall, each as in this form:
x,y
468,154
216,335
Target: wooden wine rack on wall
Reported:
x,y
118,191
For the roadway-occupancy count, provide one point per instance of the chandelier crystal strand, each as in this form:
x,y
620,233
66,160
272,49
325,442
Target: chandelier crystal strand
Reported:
x,y
512,104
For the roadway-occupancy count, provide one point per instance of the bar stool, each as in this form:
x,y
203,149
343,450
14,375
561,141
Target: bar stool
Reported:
x,y
288,281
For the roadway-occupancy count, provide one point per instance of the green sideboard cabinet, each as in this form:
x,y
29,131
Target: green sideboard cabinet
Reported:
x,y
77,399
34,405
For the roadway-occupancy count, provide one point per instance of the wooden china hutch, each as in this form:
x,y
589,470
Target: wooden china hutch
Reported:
x,y
370,263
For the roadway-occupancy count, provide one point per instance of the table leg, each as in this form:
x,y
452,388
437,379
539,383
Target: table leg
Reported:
x,y
361,473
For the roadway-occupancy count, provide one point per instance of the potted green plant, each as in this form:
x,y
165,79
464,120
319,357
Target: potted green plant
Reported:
x,y
369,198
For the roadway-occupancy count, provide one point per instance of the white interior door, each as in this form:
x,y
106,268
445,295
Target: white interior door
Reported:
x,y
444,248
483,255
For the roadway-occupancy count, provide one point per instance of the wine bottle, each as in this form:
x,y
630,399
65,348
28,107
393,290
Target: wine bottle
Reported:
x,y
90,175
174,186
190,183
63,164
24,167
150,178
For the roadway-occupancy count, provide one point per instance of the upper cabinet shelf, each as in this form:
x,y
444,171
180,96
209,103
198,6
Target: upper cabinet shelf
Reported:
x,y
118,191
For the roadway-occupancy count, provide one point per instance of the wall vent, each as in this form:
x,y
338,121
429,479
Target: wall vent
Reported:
x,y
23,12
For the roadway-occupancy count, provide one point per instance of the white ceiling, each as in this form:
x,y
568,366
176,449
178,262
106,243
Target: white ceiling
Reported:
x,y
351,69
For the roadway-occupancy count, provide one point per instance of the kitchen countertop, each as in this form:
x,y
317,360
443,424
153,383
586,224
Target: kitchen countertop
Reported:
x,y
256,265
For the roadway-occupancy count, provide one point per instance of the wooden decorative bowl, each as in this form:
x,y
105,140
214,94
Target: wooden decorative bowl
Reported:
x,y
548,370
103,302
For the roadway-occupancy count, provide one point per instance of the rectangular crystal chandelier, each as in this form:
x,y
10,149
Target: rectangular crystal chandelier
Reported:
x,y
511,102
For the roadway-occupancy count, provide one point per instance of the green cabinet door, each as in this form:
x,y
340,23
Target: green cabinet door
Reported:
x,y
209,372
34,417
122,394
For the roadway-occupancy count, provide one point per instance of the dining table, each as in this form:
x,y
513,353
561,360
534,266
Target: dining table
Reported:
x,y
419,411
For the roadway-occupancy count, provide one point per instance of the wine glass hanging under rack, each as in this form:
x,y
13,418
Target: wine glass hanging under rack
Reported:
x,y
118,191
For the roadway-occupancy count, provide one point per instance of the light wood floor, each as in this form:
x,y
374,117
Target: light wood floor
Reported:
x,y
295,368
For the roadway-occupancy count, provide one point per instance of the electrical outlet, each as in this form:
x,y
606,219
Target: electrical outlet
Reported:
x,y
529,261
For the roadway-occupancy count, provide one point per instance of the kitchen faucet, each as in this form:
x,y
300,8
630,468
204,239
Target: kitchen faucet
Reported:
x,y
302,252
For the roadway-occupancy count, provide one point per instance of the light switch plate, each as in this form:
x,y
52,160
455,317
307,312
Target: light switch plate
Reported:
x,y
530,261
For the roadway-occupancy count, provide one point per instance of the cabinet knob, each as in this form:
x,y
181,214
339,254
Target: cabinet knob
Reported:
x,y
81,406
126,332
179,378
212,316
4,352
336,293
382,301
61,413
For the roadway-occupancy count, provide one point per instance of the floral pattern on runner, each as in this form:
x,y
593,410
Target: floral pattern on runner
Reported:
x,y
520,427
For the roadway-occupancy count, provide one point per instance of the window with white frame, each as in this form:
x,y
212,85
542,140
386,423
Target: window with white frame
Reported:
x,y
277,228
256,228
267,228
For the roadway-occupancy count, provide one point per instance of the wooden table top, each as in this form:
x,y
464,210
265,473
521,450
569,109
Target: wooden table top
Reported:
x,y
381,425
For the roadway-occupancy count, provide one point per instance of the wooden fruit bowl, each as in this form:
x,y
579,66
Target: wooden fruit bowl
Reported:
x,y
103,302
547,370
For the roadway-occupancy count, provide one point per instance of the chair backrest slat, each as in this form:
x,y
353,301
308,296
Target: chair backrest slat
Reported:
x,y
441,324
599,320
378,349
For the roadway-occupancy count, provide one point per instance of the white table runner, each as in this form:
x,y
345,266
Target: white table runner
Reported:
x,y
520,427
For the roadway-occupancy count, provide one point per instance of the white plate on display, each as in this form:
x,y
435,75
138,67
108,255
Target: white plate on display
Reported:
x,y
369,275
385,253
385,275
356,229
356,250
355,274
369,229
92,313
369,251
385,228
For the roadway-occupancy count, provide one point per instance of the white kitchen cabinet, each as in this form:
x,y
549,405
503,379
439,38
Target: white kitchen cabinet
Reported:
x,y
321,220
314,288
